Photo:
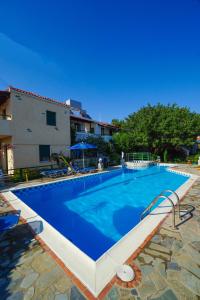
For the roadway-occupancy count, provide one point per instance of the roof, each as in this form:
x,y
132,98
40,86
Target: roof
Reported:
x,y
43,98
81,118
104,124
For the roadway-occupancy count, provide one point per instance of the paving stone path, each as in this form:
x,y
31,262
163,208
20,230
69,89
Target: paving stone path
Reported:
x,y
170,263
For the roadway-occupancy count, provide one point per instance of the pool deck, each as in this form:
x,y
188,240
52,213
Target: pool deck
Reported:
x,y
169,263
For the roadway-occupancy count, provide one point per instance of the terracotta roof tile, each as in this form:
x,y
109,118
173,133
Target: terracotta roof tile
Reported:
x,y
106,124
11,88
82,118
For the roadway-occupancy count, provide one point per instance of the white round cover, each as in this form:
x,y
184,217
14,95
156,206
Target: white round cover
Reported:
x,y
125,273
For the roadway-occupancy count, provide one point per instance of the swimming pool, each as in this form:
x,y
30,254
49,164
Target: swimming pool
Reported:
x,y
94,212
92,222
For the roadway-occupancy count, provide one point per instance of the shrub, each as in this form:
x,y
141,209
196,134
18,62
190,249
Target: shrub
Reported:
x,y
194,158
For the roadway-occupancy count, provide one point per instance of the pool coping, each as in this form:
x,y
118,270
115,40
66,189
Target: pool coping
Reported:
x,y
103,272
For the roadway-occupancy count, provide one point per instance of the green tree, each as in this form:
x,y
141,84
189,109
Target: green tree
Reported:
x,y
104,148
117,122
159,129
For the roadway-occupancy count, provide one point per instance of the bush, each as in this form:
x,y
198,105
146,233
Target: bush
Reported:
x,y
178,160
18,176
165,156
60,159
105,149
114,159
194,158
24,174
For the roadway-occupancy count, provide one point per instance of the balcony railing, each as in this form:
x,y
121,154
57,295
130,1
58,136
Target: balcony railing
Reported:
x,y
82,135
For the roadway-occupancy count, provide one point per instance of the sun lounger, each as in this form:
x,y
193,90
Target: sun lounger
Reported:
x,y
2,175
78,170
3,178
89,169
8,221
55,173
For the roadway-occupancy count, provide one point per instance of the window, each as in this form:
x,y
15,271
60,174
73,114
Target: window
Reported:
x,y
92,130
44,152
51,118
78,127
102,131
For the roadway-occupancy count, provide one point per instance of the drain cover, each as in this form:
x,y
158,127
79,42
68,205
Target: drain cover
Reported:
x,y
125,273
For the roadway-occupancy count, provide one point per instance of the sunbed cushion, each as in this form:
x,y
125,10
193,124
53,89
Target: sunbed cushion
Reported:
x,y
7,222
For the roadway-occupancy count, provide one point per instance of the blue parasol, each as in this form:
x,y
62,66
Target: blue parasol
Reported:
x,y
83,146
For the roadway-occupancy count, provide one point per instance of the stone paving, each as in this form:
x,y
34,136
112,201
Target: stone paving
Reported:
x,y
169,263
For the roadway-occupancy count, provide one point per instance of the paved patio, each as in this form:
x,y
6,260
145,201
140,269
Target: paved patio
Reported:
x,y
169,263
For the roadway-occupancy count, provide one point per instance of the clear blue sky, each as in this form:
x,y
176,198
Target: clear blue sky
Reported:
x,y
114,56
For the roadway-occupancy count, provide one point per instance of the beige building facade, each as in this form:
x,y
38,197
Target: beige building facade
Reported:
x,y
32,127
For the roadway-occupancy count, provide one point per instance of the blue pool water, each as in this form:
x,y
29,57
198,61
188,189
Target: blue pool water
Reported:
x,y
96,211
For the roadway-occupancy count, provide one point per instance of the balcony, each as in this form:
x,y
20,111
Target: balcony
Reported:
x,y
82,135
5,125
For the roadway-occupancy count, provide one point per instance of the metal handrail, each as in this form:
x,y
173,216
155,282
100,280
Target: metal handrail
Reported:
x,y
144,156
177,197
153,203
149,206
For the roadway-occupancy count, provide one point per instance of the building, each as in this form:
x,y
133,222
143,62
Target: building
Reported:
x,y
85,126
32,127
